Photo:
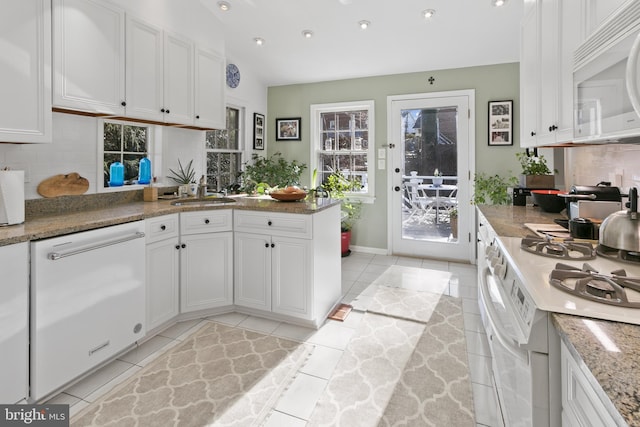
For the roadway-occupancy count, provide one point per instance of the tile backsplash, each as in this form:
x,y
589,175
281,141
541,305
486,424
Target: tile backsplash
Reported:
x,y
616,163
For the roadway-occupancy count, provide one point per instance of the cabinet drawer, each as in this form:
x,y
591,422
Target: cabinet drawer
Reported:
x,y
206,221
160,228
272,223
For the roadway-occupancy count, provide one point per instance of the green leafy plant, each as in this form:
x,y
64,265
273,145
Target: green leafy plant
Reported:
x,y
337,185
273,171
492,189
532,165
437,172
183,175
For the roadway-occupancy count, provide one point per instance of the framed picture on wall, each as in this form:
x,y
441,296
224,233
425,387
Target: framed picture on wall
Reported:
x,y
258,131
500,122
288,129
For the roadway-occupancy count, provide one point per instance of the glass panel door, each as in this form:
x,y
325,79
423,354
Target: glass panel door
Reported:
x,y
430,177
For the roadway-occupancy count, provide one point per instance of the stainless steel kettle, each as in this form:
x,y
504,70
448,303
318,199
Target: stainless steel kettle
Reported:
x,y
621,230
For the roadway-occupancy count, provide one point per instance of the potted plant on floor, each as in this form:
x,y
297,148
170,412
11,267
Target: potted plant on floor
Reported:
x,y
535,172
337,185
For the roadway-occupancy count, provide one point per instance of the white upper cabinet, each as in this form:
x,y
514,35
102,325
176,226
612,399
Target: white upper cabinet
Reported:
x,y
151,74
550,34
25,105
144,70
178,80
88,56
209,91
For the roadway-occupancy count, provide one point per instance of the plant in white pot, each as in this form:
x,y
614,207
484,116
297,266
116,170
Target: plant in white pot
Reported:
x,y
437,178
184,177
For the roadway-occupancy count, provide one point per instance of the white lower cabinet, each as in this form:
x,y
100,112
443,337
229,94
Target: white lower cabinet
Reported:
x,y
581,405
206,260
288,264
14,312
163,267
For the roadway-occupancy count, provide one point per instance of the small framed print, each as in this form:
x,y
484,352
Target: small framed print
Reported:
x,y
258,131
288,129
500,122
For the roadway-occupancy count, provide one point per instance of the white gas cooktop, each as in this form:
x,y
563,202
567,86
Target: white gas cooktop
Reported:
x,y
533,270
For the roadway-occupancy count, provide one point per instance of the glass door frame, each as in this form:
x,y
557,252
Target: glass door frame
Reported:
x,y
464,249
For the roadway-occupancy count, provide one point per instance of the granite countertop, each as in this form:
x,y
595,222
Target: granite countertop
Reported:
x,y
614,362
615,374
508,221
87,217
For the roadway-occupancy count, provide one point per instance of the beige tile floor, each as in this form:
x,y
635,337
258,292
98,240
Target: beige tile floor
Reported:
x,y
293,409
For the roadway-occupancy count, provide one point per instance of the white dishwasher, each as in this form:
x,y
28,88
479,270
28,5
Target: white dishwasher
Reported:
x,y
87,302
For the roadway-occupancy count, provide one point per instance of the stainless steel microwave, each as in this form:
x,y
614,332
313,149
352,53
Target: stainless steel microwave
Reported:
x,y
606,80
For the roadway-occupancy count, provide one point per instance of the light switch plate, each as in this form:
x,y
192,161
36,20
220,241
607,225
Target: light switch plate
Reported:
x,y
382,153
381,164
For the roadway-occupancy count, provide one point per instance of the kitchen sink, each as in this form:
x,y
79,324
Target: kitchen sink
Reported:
x,y
205,201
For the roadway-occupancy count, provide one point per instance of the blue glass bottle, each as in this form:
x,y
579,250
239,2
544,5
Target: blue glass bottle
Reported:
x,y
116,174
144,168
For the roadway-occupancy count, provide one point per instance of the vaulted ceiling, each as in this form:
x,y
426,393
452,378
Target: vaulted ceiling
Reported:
x,y
461,33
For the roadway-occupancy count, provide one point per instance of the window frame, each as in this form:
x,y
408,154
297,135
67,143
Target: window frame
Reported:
x,y
317,145
100,170
242,148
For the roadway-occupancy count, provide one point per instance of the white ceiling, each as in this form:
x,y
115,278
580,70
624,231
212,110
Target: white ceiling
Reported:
x,y
462,33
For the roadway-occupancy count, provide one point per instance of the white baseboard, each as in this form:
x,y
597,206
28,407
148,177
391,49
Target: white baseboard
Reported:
x,y
368,250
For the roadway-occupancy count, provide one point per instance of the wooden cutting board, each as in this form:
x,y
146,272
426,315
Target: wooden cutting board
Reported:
x,y
71,184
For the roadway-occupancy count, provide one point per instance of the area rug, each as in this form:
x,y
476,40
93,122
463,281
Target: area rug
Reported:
x,y
220,376
398,372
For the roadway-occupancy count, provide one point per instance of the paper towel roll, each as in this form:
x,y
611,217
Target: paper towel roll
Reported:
x,y
11,197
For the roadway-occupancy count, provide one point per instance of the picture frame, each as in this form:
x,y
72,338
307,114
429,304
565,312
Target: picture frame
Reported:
x,y
500,123
258,131
288,129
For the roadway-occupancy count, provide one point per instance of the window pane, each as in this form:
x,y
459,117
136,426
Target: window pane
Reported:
x,y
222,170
361,119
344,121
112,137
135,139
131,166
328,121
344,140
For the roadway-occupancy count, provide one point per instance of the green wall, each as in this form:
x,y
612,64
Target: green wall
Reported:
x,y
491,83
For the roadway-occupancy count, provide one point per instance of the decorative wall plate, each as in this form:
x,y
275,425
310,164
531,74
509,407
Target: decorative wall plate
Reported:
x,y
233,76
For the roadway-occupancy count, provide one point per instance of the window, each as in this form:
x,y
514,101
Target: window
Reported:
x,y
343,137
224,153
125,143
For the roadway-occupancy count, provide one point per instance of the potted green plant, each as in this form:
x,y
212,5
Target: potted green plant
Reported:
x,y
492,189
184,177
535,171
453,219
262,174
437,178
337,185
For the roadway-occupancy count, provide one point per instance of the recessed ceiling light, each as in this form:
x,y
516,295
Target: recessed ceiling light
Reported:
x,y
307,34
498,3
259,41
224,6
364,25
428,13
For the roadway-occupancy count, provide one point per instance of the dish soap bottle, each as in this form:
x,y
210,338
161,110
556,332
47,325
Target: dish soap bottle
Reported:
x,y
116,174
144,167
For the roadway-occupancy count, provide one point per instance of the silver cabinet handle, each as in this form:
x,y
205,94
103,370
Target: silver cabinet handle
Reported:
x,y
53,256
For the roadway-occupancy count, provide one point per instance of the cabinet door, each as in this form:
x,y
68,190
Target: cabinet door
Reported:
x,y
210,91
291,278
14,309
89,55
548,28
252,284
529,79
206,271
162,279
144,66
25,106
178,79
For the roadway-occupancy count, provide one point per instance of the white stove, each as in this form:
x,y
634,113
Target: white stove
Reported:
x,y
533,271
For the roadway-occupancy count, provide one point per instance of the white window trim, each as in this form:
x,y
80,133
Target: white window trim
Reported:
x,y
316,111
150,153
